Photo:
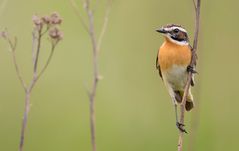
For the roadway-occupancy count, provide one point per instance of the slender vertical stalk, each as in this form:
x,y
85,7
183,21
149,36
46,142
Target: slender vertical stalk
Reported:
x,y
92,122
194,57
96,43
95,76
25,120
37,52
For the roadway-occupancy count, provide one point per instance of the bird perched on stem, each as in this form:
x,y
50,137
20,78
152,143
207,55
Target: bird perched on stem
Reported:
x,y
173,62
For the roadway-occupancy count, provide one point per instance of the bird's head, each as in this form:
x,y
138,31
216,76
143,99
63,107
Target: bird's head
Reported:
x,y
175,33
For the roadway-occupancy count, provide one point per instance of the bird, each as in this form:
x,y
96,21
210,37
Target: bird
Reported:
x,y
173,63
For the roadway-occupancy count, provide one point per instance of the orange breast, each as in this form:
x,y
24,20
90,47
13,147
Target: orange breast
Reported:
x,y
171,53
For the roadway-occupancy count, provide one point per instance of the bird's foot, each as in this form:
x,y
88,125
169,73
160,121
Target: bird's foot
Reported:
x,y
180,126
191,69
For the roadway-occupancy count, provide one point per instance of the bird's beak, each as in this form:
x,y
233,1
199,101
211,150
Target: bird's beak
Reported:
x,y
161,30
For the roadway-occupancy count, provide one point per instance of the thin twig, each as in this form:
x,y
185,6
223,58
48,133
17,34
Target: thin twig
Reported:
x,y
194,57
78,14
95,76
46,30
13,51
25,87
37,53
104,27
96,43
47,62
34,38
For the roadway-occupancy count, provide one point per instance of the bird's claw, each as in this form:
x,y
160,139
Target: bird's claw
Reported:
x,y
180,126
191,69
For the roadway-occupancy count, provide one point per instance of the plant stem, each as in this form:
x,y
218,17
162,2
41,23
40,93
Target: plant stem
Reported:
x,y
193,61
37,52
92,121
25,119
96,43
95,79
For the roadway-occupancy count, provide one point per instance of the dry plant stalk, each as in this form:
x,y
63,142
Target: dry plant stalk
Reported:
x,y
96,43
42,25
193,61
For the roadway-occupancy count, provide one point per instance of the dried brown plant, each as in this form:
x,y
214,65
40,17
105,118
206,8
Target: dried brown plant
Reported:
x,y
42,26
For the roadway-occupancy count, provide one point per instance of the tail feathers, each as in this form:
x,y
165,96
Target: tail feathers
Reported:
x,y
178,96
189,103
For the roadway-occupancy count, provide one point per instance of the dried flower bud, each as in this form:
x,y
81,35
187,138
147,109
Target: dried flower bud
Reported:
x,y
55,19
55,33
38,22
46,19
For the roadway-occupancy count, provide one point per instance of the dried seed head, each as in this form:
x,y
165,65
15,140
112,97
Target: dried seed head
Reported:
x,y
46,19
37,22
55,19
55,33
48,24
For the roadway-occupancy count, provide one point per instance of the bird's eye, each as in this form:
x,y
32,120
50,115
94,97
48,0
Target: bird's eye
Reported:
x,y
176,30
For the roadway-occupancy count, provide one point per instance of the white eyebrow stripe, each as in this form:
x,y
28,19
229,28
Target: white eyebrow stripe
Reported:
x,y
172,28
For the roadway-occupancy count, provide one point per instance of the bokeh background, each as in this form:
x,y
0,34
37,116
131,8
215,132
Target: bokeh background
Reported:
x,y
134,111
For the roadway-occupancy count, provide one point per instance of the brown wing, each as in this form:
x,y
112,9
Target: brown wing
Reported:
x,y
158,66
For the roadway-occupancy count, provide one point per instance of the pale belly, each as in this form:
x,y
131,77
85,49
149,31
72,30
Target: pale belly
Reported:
x,y
176,77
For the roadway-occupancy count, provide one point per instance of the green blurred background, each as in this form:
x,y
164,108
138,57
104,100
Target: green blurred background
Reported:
x,y
134,110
